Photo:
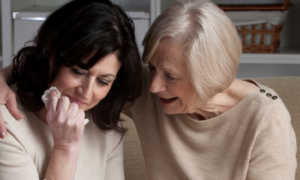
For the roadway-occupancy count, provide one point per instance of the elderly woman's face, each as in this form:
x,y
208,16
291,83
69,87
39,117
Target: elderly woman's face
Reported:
x,y
87,87
170,79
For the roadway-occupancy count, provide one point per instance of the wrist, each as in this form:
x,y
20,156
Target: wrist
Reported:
x,y
63,163
67,149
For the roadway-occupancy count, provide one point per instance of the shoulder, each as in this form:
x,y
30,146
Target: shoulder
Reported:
x,y
265,95
264,107
274,112
10,120
20,129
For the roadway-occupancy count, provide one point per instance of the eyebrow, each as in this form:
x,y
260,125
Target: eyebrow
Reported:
x,y
171,71
106,75
166,69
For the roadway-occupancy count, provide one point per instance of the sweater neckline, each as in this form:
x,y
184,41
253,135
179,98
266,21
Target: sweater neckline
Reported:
x,y
226,116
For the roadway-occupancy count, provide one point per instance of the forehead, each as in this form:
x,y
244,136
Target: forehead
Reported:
x,y
109,63
168,56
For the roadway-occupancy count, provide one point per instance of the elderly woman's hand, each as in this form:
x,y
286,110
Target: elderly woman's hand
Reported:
x,y
66,122
8,98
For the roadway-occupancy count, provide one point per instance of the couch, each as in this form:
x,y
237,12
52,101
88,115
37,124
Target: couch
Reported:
x,y
288,89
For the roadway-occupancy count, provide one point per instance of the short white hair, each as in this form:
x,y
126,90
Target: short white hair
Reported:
x,y
208,40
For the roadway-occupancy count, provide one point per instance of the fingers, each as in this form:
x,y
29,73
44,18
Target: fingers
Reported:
x,y
53,93
12,107
80,116
52,103
2,127
51,107
73,109
80,120
67,126
63,104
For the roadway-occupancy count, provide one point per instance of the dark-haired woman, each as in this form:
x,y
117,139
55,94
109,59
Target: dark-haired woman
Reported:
x,y
87,50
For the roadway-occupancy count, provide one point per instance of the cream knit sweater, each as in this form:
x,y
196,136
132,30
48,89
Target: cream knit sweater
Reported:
x,y
253,140
26,151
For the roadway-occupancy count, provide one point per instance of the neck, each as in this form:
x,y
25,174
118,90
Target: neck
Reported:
x,y
209,110
223,101
217,105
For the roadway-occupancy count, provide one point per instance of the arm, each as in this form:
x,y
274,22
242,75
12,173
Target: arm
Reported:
x,y
66,123
63,164
274,153
16,157
7,97
15,160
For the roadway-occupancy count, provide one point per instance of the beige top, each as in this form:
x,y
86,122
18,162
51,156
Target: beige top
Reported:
x,y
253,140
26,151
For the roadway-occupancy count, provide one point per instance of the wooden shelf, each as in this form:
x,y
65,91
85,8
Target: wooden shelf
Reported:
x,y
280,56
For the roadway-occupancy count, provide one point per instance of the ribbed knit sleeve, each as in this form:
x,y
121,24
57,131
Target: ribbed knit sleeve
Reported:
x,y
274,153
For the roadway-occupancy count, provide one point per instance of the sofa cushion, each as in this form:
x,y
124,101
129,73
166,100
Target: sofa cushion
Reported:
x,y
133,156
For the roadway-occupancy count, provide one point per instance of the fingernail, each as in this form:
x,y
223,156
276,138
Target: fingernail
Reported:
x,y
2,135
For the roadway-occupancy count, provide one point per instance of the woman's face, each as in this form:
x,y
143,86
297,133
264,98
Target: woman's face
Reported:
x,y
87,87
170,80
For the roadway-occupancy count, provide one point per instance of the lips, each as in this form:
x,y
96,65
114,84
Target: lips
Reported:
x,y
72,99
168,101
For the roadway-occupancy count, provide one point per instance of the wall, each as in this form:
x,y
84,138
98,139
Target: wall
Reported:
x,y
132,2
247,1
50,2
290,36
20,4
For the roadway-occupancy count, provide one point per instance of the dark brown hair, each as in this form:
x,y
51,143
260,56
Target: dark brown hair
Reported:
x,y
68,37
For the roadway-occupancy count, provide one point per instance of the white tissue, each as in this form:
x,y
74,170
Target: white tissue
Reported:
x,y
45,96
45,99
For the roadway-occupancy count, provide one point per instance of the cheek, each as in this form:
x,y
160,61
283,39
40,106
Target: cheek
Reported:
x,y
185,92
64,81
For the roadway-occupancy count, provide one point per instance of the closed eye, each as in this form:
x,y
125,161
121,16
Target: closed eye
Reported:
x,y
102,82
77,72
171,78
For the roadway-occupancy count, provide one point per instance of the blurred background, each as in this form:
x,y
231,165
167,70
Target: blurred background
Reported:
x,y
20,20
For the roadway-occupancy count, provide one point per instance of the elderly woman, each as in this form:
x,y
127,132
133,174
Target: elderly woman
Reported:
x,y
89,54
199,121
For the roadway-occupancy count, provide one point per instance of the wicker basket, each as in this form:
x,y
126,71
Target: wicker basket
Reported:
x,y
270,7
273,32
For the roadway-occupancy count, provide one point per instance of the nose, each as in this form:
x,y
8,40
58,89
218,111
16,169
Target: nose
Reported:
x,y
158,83
86,89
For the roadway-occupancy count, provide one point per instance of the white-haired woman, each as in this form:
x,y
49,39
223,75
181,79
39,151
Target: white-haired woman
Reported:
x,y
199,121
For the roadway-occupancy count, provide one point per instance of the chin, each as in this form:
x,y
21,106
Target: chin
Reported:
x,y
170,111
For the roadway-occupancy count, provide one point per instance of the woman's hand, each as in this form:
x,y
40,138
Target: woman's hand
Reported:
x,y
66,122
8,98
